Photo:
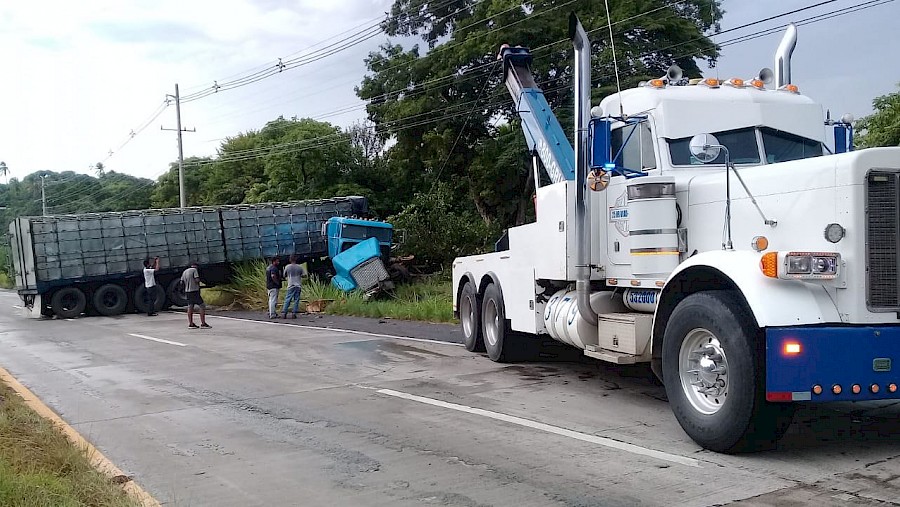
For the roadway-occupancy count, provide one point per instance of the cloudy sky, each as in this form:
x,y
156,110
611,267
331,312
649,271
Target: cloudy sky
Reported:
x,y
78,77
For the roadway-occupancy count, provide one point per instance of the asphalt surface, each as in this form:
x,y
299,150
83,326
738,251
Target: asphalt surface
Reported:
x,y
268,413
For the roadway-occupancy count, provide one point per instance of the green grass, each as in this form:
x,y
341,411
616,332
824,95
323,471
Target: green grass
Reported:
x,y
428,299
5,281
40,467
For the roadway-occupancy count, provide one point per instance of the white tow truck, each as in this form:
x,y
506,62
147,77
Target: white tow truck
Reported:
x,y
704,227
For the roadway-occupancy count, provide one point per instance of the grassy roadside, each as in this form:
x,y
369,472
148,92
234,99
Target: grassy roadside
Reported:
x,y
40,467
427,299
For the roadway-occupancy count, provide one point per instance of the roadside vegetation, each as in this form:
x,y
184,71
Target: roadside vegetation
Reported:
x,y
40,467
426,299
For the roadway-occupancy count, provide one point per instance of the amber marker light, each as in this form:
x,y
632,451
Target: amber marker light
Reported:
x,y
836,389
817,389
856,388
790,88
768,264
759,243
791,348
710,82
657,83
758,84
892,388
874,388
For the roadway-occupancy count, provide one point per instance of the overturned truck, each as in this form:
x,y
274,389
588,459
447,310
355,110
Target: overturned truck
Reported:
x,y
92,263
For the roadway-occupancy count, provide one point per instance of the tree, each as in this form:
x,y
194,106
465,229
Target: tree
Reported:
x,y
438,109
166,193
882,128
4,170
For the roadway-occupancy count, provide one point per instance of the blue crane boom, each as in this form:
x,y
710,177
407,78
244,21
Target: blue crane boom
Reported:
x,y
542,130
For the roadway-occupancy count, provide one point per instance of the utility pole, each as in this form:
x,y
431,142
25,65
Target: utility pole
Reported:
x,y
181,193
43,195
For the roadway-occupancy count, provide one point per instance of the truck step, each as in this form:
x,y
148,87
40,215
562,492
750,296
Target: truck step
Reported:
x,y
610,356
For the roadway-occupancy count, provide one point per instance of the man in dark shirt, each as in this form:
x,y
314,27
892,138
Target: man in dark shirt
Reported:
x,y
273,285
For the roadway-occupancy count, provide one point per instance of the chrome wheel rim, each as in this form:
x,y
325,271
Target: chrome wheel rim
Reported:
x,y
703,368
491,323
467,315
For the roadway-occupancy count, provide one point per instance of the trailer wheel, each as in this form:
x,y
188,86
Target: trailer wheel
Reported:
x,y
68,302
470,318
714,372
176,297
158,301
110,300
495,332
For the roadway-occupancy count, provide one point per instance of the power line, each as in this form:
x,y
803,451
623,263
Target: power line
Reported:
x,y
257,152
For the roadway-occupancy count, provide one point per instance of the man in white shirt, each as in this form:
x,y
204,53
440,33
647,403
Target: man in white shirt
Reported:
x,y
150,285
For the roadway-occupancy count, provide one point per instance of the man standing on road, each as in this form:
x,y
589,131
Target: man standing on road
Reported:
x,y
293,272
191,280
150,285
273,285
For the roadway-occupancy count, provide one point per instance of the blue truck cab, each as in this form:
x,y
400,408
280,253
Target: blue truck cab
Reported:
x,y
359,250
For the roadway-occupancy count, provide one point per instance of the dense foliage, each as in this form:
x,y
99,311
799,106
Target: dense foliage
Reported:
x,y
882,128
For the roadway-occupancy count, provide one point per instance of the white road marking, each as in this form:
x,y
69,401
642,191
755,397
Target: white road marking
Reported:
x,y
606,442
17,307
318,328
160,340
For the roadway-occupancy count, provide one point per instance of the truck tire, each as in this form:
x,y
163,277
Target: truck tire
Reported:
x,y
110,300
158,301
714,372
494,330
68,302
176,297
470,318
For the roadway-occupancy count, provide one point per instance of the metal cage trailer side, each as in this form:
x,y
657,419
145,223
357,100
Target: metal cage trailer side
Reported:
x,y
66,265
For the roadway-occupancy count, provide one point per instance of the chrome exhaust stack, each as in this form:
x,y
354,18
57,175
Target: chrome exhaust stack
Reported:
x,y
582,216
783,57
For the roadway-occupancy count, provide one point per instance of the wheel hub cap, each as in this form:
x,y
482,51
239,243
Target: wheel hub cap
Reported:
x,y
703,368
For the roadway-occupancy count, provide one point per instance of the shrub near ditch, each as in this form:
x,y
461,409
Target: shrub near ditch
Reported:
x,y
427,299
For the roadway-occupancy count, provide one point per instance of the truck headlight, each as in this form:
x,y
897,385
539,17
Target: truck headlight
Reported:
x,y
801,265
811,265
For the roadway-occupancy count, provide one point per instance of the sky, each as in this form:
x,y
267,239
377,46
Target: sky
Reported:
x,y
78,77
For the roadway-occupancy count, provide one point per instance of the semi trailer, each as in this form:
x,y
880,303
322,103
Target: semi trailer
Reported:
x,y
71,264
701,226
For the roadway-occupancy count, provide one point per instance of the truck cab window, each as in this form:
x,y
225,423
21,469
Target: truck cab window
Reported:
x,y
741,144
638,153
781,146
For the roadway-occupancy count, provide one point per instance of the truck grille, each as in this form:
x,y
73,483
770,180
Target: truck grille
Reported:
x,y
369,273
882,225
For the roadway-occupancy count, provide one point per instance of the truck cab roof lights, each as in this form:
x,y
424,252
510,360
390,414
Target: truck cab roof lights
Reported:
x,y
792,88
656,83
759,84
735,82
710,82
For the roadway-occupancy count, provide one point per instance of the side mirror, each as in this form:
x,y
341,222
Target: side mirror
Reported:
x,y
705,147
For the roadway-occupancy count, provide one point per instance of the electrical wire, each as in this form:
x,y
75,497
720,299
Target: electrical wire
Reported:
x,y
254,153
744,38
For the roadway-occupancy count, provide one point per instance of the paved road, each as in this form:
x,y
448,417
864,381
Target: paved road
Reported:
x,y
253,413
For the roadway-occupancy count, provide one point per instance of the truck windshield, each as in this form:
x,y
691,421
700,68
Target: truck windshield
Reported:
x,y
781,146
360,232
741,144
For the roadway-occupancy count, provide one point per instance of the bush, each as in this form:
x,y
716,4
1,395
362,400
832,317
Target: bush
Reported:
x,y
436,232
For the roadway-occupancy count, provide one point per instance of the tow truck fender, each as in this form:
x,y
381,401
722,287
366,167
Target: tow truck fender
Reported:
x,y
771,301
